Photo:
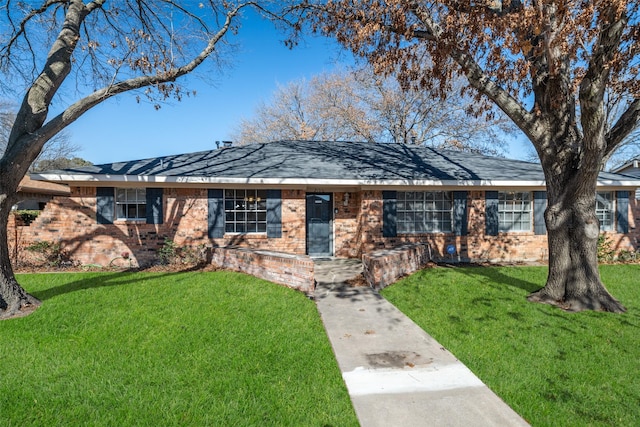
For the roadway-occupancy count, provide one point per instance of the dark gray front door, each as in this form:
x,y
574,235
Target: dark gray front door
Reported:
x,y
319,217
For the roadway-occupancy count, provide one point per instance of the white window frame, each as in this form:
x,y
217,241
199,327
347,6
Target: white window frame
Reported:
x,y
424,212
131,204
245,211
515,213
606,210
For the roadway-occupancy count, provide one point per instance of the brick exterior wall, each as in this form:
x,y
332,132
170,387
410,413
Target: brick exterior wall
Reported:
x,y
476,246
71,221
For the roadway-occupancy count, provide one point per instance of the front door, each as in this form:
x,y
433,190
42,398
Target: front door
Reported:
x,y
319,226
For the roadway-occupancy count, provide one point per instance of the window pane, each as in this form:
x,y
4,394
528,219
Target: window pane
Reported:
x,y
245,210
131,195
121,211
424,211
514,211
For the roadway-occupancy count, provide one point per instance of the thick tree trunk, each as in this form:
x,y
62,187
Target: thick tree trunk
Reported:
x,y
14,300
573,228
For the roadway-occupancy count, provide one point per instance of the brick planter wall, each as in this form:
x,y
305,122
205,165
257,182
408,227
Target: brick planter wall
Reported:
x,y
384,267
294,271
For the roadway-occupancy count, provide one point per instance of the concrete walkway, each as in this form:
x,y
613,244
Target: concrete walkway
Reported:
x,y
396,374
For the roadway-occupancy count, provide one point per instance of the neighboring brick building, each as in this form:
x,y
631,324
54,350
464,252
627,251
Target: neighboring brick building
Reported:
x,y
315,198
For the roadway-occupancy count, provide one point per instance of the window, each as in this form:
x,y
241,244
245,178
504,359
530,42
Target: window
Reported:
x,y
604,210
131,203
514,211
245,211
424,212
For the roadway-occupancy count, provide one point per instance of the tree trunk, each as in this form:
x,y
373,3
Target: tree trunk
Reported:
x,y
573,228
14,300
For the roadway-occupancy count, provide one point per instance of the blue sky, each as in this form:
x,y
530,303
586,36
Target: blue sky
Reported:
x,y
122,129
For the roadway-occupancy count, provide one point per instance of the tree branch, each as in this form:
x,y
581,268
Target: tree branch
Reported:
x,y
74,111
594,83
627,122
481,80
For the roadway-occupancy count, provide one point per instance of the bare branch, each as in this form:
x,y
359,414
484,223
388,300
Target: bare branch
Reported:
x,y
74,111
627,123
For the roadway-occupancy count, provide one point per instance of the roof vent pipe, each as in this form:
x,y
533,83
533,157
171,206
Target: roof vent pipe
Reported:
x,y
217,145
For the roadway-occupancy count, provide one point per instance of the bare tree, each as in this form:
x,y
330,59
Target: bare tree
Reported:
x,y
326,107
58,152
362,106
541,63
109,48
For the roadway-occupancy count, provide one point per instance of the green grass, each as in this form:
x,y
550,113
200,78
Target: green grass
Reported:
x,y
195,348
554,368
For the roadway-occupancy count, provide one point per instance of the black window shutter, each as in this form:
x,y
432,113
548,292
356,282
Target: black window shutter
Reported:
x,y
105,205
215,216
491,213
622,211
460,213
274,213
389,213
539,206
154,206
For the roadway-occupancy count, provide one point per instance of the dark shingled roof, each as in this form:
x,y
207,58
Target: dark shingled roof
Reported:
x,y
326,160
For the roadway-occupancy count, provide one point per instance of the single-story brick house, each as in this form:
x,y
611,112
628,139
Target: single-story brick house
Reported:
x,y
34,195
632,169
342,199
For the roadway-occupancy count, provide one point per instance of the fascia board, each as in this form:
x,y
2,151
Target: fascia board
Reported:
x,y
203,180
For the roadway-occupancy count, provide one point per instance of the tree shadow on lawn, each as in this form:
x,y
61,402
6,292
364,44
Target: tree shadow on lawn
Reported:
x,y
494,275
103,279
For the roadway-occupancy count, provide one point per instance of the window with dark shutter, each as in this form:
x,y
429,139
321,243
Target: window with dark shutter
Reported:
x,y
622,211
215,216
539,206
491,217
154,206
460,213
389,214
274,213
105,205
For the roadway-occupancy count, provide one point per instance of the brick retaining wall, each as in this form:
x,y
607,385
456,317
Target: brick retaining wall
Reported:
x,y
383,267
294,271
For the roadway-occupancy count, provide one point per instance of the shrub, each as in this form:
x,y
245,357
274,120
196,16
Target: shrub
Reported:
x,y
627,256
605,248
27,215
170,253
51,254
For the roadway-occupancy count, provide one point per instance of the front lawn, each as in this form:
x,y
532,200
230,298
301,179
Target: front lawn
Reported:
x,y
216,348
552,367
